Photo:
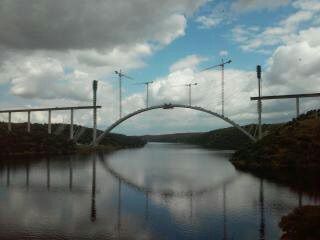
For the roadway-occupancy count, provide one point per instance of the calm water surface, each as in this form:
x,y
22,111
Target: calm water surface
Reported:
x,y
161,191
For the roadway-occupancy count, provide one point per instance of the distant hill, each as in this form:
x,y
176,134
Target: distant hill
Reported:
x,y
19,142
226,138
296,144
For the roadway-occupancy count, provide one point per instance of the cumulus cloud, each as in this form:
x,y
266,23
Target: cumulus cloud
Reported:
x,y
90,37
219,14
295,66
250,5
208,21
255,38
190,61
228,11
75,24
45,79
223,53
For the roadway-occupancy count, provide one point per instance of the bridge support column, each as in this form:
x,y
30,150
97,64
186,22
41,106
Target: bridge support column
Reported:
x,y
260,119
259,101
71,124
49,121
28,124
9,122
298,106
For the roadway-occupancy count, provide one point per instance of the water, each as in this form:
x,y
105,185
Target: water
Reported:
x,y
161,191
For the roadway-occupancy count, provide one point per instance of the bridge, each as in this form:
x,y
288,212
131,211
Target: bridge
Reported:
x,y
96,140
72,109
171,106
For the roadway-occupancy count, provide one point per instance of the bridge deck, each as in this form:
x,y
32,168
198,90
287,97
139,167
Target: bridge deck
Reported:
x,y
305,95
47,109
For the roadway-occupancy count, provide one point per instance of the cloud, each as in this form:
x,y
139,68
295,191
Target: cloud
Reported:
x,y
132,55
309,5
254,38
190,61
296,67
223,53
44,78
227,12
218,15
208,21
251,5
75,24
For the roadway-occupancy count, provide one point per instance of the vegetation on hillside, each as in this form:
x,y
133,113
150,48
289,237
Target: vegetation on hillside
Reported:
x,y
296,144
19,142
225,139
301,224
15,144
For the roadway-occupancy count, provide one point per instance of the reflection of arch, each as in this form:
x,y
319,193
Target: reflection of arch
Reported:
x,y
170,106
166,193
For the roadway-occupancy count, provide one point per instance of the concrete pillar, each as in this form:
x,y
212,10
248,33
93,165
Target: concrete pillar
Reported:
x,y
71,124
49,121
259,101
28,124
260,118
9,122
298,106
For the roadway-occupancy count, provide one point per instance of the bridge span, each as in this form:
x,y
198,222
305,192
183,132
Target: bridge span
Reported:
x,y
171,106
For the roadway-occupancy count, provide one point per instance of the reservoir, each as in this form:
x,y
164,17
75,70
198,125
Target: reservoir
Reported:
x,y
160,191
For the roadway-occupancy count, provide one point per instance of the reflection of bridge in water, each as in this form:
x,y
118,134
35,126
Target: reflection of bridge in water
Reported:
x,y
6,175
166,193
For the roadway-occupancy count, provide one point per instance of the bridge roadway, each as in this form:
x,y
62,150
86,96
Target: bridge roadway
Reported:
x,y
171,106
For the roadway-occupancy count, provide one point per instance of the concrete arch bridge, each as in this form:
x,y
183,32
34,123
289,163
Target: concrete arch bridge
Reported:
x,y
171,106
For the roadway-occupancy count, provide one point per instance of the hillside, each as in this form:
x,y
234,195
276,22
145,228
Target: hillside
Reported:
x,y
301,223
224,139
296,144
21,143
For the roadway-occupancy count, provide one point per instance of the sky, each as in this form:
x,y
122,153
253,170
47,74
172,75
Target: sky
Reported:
x,y
50,51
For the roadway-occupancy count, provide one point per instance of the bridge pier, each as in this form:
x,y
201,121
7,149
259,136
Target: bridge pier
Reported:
x,y
259,101
9,122
49,121
71,124
28,124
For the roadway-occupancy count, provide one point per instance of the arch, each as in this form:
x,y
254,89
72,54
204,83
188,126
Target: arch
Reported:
x,y
171,106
